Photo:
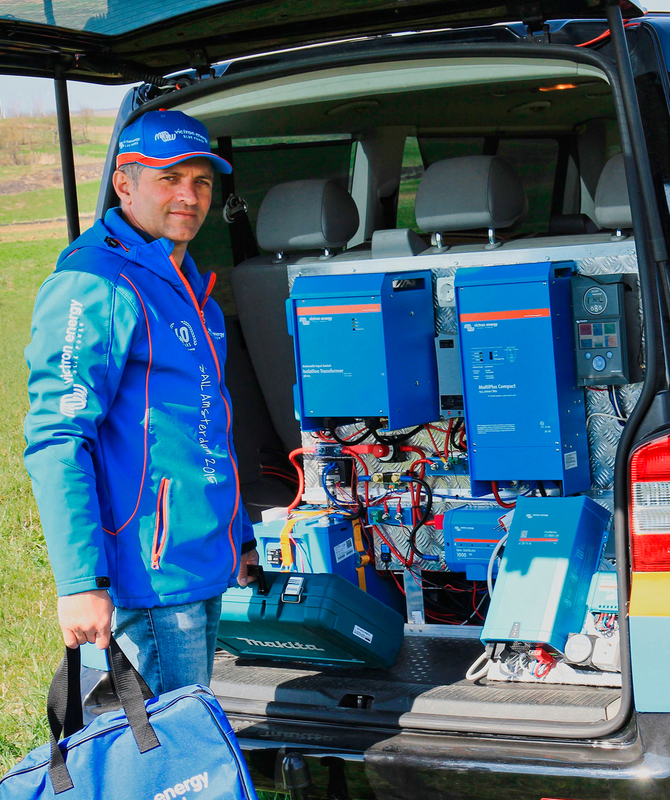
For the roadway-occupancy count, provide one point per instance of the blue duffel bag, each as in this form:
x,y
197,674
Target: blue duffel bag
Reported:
x,y
178,746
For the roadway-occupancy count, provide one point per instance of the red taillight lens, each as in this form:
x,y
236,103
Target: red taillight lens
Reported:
x,y
650,506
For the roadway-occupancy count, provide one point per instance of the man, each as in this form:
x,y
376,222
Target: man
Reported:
x,y
129,432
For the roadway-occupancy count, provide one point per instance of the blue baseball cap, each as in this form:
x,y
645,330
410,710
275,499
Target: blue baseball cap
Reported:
x,y
159,139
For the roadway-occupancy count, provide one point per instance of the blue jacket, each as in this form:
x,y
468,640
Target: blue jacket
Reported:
x,y
129,429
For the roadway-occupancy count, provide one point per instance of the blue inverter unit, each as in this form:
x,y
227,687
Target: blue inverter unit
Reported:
x,y
525,416
324,545
552,551
470,536
364,348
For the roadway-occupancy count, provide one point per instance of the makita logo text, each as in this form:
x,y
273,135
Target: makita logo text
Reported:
x,y
196,783
281,645
164,136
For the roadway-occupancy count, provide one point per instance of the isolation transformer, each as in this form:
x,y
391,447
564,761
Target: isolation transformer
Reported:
x,y
524,413
364,349
552,551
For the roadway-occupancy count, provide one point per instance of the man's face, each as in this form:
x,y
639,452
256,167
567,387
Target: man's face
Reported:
x,y
170,203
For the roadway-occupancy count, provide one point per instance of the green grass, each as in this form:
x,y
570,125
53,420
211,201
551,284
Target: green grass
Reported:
x,y
45,203
30,643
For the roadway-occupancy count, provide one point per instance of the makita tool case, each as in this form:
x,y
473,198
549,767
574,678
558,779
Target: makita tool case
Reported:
x,y
299,617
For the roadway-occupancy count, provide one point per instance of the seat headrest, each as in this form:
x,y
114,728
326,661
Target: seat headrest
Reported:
x,y
306,215
612,202
469,192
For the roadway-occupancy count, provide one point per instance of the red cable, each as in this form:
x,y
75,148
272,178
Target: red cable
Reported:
x,y
279,473
496,494
301,475
605,35
347,452
432,439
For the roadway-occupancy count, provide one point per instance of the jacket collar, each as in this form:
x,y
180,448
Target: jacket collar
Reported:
x,y
154,255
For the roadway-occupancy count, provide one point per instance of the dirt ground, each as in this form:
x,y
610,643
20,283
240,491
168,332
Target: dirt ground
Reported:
x,y
36,231
48,178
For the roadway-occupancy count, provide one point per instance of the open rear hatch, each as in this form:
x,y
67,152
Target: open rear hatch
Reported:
x,y
122,41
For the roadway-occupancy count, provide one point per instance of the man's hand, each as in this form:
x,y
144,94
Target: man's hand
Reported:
x,y
86,617
246,558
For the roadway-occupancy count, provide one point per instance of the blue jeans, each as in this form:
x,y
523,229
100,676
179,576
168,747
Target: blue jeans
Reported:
x,y
170,646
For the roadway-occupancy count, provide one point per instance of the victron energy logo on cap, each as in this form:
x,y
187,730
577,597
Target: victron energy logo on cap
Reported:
x,y
165,136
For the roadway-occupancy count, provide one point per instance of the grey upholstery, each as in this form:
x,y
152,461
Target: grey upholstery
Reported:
x,y
470,192
396,242
612,202
261,290
306,215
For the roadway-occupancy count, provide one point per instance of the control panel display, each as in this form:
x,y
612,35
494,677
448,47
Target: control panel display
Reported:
x,y
598,335
607,329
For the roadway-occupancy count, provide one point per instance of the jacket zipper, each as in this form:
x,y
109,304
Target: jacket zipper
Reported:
x,y
161,527
201,314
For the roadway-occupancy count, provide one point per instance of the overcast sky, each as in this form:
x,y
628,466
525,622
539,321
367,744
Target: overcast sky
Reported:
x,y
36,95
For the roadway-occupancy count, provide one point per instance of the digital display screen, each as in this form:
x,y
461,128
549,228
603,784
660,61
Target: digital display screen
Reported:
x,y
598,335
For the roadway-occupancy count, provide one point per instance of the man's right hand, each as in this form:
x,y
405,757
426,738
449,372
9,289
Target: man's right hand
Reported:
x,y
86,617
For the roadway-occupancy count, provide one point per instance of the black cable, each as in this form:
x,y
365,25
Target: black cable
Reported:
x,y
346,513
456,445
332,432
540,486
399,439
424,516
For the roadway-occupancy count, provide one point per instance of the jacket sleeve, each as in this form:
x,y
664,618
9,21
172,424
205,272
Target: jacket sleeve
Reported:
x,y
82,330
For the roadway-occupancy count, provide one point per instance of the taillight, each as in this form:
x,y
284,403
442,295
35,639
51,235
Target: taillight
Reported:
x,y
650,506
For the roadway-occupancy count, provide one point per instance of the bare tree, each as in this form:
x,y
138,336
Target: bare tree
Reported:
x,y
85,116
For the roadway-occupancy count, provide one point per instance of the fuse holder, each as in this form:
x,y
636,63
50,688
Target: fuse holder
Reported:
x,y
376,450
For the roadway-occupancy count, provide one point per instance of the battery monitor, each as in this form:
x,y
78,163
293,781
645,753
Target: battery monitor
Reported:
x,y
607,329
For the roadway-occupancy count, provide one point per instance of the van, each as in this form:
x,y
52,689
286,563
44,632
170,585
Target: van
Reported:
x,y
503,170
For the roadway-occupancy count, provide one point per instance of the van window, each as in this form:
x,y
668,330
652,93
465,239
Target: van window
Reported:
x,y
411,173
533,159
535,163
260,164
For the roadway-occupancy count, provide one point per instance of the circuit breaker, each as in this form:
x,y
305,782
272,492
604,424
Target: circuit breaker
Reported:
x,y
364,348
606,320
524,414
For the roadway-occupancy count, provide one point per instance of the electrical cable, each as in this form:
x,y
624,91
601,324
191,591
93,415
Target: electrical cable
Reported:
x,y
615,402
476,670
499,500
426,513
348,440
400,438
489,569
605,35
349,514
292,456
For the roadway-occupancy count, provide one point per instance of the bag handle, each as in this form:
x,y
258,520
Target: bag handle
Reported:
x,y
64,712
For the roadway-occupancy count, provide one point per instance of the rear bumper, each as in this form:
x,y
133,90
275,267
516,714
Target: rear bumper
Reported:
x,y
360,763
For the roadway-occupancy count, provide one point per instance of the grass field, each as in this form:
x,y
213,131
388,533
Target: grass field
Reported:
x,y
30,641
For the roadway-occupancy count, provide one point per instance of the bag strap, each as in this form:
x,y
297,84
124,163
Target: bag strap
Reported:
x,y
64,714
131,689
64,711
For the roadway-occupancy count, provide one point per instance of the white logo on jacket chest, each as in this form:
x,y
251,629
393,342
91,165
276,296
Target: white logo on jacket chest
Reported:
x,y
185,334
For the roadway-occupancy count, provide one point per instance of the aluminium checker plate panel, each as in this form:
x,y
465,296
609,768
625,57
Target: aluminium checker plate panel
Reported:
x,y
595,256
